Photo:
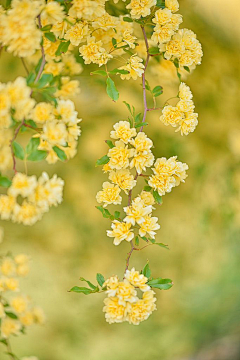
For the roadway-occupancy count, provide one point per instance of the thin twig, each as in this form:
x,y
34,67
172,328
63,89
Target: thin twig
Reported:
x,y
43,54
24,65
9,350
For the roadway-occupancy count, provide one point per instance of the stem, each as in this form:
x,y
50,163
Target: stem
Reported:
x,y
9,350
24,65
37,78
141,129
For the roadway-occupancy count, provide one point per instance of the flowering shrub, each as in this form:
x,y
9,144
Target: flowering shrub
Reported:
x,y
55,41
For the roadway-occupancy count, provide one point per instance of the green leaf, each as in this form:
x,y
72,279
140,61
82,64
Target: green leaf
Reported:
x,y
99,72
44,80
141,124
136,240
110,143
127,19
104,160
5,182
11,315
89,283
138,118
60,153
111,89
30,78
153,50
179,76
32,145
186,68
114,42
62,48
100,279
162,245
50,36
119,71
157,197
157,91
116,214
3,341
146,271
128,106
46,28
18,150
161,3
176,63
37,155
147,188
106,214
83,290
162,284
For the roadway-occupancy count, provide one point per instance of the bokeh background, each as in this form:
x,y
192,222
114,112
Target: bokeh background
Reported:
x,y
199,318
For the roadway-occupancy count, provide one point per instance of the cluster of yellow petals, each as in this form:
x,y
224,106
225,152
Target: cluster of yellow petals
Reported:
x,y
23,313
123,303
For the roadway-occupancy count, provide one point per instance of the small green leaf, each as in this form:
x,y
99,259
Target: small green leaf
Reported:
x,y
100,279
161,3
127,19
89,283
37,155
44,80
99,72
147,188
104,160
32,145
138,118
162,245
110,143
46,28
146,271
119,71
5,182
162,284
157,197
18,150
111,89
60,153
116,214
30,78
83,290
136,240
141,124
179,76
176,63
11,315
186,68
153,50
62,48
114,42
157,91
128,106
50,36
106,214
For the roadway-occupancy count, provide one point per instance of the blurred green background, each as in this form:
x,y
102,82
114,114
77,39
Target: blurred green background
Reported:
x,y
199,318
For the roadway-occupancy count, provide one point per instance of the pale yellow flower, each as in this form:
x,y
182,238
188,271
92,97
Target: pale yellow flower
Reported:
x,y
126,292
149,226
185,92
123,178
8,267
27,213
171,115
53,67
140,8
77,33
12,284
2,312
7,204
119,156
172,5
147,198
114,312
188,124
142,160
52,13
71,66
19,304
42,112
137,211
137,280
22,185
55,133
135,68
120,231
109,195
27,318
10,327
123,131
142,142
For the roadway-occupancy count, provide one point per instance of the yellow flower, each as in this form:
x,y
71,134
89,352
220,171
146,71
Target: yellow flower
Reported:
x,y
21,259
137,280
162,16
142,142
27,318
105,22
22,185
119,156
123,178
68,88
52,13
142,160
140,8
4,101
126,292
109,195
121,231
129,39
147,198
111,284
71,66
87,9
12,284
114,312
55,133
8,267
122,131
38,315
171,116
172,5
2,312
148,226
162,34
10,327
135,68
19,304
189,123
53,67
185,92
77,33
66,111
137,211
140,311
7,204
27,213
94,52
22,270
42,112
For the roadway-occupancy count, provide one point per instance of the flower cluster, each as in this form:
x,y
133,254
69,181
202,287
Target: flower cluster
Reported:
x,y
182,115
16,310
38,196
123,303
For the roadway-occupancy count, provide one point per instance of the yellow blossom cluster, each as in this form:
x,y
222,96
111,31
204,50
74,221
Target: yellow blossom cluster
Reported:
x,y
5,151
123,303
38,196
16,310
182,115
168,173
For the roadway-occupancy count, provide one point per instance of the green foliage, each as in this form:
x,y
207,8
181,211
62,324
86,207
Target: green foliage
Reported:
x,y
110,143
32,145
100,279
89,283
83,290
11,315
157,91
44,80
146,271
50,36
60,153
161,4
161,284
105,212
157,197
5,182
37,155
103,160
153,50
18,150
99,72
62,48
111,89
127,19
